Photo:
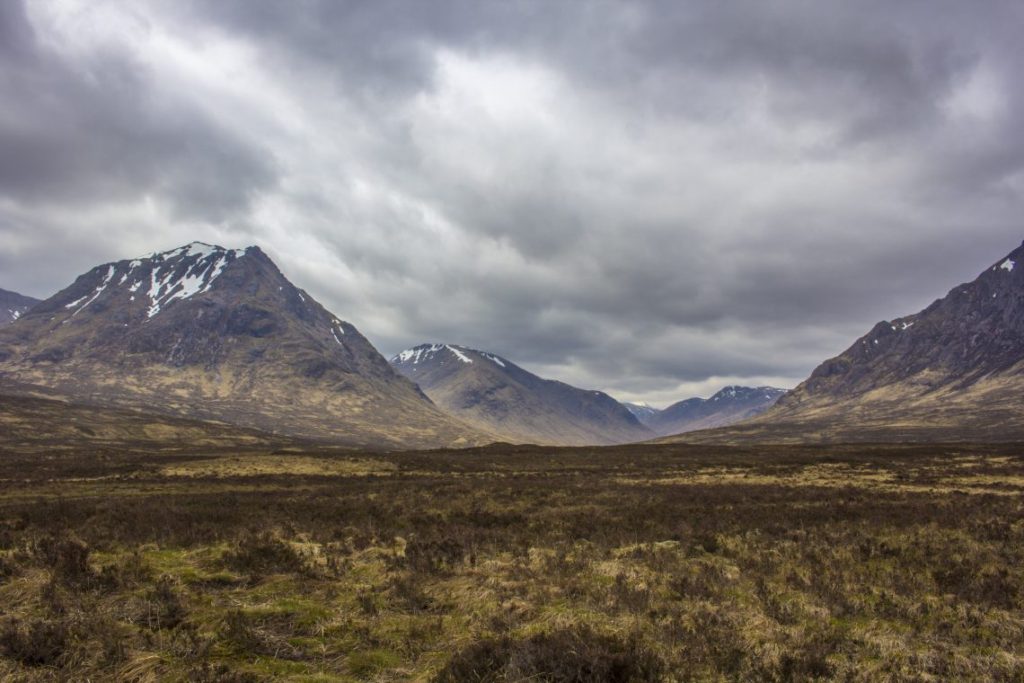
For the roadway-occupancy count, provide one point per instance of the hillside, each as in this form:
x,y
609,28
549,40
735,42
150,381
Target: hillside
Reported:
x,y
14,305
642,412
730,405
495,395
954,371
209,333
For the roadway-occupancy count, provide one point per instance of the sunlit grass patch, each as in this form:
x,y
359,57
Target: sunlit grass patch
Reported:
x,y
270,465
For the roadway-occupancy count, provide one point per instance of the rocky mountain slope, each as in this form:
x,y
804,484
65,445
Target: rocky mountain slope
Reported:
x,y
728,406
14,305
497,396
954,371
641,411
220,334
32,422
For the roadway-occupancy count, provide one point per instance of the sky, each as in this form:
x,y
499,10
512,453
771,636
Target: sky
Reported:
x,y
654,199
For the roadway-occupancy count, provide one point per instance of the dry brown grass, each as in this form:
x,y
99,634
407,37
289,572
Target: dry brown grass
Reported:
x,y
514,563
268,465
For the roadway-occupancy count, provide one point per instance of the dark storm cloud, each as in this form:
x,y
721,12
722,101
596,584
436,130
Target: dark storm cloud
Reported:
x,y
98,126
652,198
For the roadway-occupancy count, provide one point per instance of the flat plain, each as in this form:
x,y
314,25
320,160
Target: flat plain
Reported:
x,y
640,563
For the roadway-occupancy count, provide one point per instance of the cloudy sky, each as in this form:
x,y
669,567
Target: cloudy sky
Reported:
x,y
650,198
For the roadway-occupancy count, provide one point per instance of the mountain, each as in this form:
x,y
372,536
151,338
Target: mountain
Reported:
x,y
730,405
495,395
14,305
642,412
208,333
31,422
954,371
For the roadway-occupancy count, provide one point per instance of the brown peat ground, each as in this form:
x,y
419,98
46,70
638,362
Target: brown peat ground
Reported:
x,y
641,563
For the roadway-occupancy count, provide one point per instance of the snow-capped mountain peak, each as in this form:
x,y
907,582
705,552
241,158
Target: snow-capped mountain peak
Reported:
x,y
157,280
222,334
194,249
428,353
169,280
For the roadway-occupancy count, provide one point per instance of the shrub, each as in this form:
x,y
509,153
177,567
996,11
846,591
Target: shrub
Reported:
x,y
163,605
239,630
221,673
262,553
409,595
567,656
255,634
67,558
129,570
37,643
433,556
107,638
8,569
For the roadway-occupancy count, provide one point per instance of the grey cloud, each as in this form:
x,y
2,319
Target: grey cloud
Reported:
x,y
641,197
95,128
819,60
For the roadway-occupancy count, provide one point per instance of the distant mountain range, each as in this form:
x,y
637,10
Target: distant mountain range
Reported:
x,y
497,396
641,411
218,336
14,305
728,406
209,333
954,371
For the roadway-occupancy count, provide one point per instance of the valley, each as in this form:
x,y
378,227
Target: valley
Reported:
x,y
210,334
298,562
511,342
206,476
498,397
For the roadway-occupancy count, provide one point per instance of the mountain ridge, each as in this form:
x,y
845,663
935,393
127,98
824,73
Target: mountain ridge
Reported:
x,y
494,394
727,406
952,371
641,411
211,333
14,305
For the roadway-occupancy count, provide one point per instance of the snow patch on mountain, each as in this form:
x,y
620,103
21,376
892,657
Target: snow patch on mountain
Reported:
x,y
336,330
415,354
99,290
426,351
166,286
492,358
460,355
